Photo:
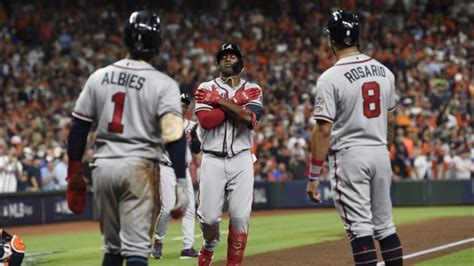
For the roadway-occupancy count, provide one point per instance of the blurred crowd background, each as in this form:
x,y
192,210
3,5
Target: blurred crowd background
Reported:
x,y
49,48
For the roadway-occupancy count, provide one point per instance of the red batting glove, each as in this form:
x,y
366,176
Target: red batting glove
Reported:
x,y
76,192
210,97
244,96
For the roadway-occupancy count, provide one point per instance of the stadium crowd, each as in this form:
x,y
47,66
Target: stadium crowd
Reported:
x,y
49,49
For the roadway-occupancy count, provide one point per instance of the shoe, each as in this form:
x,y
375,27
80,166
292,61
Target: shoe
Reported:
x,y
205,257
188,253
157,252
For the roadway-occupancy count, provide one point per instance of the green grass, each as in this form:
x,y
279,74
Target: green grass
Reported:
x,y
463,257
266,234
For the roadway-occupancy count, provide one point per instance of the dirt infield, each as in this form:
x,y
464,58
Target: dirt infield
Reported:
x,y
415,237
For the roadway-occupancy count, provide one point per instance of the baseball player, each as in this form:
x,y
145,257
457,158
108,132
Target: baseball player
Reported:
x,y
355,100
167,187
227,109
12,249
137,110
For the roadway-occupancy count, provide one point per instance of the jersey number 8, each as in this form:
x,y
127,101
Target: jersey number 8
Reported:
x,y
371,96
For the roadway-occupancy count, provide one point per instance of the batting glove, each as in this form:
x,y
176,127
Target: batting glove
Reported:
x,y
244,96
76,192
182,200
209,97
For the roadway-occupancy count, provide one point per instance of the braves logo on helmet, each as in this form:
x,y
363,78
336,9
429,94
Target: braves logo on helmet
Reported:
x,y
230,48
185,98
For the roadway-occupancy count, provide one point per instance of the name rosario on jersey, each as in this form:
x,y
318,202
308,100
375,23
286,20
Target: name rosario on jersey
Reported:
x,y
129,80
365,71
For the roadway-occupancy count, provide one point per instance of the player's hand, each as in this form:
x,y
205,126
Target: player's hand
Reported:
x,y
193,132
76,192
209,97
312,189
244,96
182,200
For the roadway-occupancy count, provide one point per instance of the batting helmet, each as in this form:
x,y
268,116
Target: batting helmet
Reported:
x,y
142,34
185,98
230,48
343,28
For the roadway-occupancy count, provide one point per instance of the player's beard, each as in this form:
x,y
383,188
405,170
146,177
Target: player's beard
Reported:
x,y
226,70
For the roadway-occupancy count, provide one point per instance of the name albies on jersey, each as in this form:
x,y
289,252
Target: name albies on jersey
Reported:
x,y
126,100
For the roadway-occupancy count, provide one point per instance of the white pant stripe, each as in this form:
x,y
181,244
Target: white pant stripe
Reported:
x,y
365,262
399,247
366,251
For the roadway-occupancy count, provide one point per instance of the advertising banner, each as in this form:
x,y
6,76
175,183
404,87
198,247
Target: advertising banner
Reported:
x,y
56,210
295,195
20,210
262,196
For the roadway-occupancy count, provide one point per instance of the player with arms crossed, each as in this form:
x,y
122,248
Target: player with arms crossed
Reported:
x,y
168,185
355,100
227,108
137,110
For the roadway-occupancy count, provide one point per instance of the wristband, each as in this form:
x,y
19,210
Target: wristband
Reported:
x,y
315,169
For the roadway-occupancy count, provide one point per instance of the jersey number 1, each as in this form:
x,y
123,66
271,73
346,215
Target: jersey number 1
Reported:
x,y
116,125
371,96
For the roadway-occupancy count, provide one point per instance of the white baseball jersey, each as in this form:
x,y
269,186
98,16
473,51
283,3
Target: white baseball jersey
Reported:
x,y
355,95
231,137
126,99
188,126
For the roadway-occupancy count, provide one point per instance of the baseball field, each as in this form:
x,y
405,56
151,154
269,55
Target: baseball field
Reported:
x,y
430,236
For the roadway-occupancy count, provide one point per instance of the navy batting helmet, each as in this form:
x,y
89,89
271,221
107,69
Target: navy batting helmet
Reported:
x,y
142,33
185,98
343,28
230,48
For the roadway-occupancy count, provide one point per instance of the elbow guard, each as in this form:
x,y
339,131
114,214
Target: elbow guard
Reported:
x,y
172,127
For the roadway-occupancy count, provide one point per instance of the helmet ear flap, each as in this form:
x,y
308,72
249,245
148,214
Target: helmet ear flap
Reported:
x,y
239,66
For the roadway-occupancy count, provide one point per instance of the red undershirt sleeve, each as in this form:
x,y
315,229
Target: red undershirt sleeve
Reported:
x,y
210,118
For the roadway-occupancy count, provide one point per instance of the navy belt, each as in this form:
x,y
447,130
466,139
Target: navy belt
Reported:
x,y
221,154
